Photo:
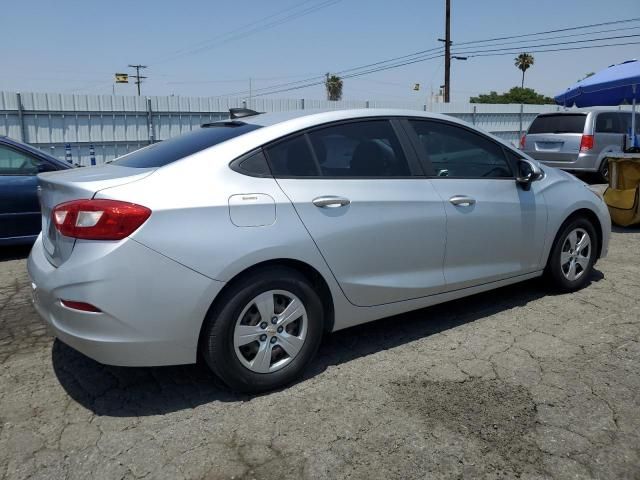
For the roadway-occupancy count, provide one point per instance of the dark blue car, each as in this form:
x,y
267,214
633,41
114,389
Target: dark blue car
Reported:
x,y
19,206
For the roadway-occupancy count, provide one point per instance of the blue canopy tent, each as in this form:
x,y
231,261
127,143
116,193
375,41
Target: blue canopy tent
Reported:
x,y
613,86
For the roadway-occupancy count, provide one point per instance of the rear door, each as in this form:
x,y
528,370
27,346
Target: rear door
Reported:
x,y
379,226
495,229
19,208
555,137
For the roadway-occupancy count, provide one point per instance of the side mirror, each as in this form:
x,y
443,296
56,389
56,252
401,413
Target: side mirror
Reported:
x,y
527,172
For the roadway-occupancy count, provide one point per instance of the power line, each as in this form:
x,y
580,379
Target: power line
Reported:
x,y
375,70
527,47
515,52
424,55
592,25
571,35
231,35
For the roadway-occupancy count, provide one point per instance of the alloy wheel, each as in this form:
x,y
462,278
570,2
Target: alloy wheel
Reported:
x,y
575,254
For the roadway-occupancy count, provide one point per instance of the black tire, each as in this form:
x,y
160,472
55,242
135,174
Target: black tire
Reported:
x,y
555,271
216,342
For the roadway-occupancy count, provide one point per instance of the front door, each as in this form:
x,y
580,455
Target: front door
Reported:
x,y
380,228
495,228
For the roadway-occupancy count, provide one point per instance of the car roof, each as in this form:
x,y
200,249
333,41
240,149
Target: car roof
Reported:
x,y
584,111
318,117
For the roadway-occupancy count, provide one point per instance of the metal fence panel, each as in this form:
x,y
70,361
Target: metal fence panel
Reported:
x,y
116,125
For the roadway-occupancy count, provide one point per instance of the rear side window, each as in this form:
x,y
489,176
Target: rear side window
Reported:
x,y
626,122
609,123
168,151
360,149
292,158
561,123
348,150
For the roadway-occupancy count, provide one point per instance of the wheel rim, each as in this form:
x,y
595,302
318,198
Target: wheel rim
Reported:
x,y
270,331
576,254
604,171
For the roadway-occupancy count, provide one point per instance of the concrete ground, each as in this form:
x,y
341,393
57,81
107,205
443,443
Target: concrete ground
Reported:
x,y
513,383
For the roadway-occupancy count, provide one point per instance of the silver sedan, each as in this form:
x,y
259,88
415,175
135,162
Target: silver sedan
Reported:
x,y
245,240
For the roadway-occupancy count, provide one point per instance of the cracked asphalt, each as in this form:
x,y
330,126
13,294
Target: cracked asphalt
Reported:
x,y
514,383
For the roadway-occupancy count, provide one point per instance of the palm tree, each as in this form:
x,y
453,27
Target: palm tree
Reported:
x,y
333,84
523,62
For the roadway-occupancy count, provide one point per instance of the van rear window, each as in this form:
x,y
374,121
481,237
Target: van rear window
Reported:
x,y
561,123
168,151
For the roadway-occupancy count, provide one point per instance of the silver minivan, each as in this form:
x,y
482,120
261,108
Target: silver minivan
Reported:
x,y
578,140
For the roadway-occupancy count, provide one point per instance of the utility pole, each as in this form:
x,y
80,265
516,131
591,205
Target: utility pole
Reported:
x,y
137,76
447,52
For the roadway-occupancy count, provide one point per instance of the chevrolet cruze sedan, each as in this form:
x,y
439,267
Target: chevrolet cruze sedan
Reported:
x,y
244,241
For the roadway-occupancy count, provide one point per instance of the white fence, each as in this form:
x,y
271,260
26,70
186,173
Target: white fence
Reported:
x,y
115,125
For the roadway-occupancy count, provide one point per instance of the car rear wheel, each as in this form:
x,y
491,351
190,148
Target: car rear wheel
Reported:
x,y
573,255
264,331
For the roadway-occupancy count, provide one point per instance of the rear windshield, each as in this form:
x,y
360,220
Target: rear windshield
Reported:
x,y
168,151
572,123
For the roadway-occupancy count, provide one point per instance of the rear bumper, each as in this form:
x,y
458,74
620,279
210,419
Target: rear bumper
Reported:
x,y
583,162
152,308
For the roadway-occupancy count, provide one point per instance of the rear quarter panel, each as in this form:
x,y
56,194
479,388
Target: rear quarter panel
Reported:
x,y
191,222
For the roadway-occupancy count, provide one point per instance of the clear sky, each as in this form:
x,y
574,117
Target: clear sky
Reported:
x,y
77,45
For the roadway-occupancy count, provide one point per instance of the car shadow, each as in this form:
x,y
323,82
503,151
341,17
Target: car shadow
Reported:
x,y
128,391
629,229
17,252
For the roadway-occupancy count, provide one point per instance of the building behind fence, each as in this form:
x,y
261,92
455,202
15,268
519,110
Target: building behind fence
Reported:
x,y
114,125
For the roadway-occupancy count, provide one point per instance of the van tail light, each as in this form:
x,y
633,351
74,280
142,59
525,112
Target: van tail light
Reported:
x,y
586,143
523,141
98,219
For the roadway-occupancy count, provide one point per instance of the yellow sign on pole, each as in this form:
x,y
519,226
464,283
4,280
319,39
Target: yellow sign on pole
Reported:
x,y
122,78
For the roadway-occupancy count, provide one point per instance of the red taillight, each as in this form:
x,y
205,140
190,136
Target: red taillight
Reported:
x,y
82,306
523,141
98,219
586,143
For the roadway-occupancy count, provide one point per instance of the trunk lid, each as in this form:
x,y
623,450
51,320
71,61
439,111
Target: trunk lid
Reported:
x,y
55,188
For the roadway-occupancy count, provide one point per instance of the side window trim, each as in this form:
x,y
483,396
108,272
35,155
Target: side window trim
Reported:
x,y
406,144
428,166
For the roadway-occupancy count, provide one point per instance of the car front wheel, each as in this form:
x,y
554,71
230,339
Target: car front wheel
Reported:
x,y
264,331
573,255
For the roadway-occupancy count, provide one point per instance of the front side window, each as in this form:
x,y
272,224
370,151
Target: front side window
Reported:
x,y
13,162
460,153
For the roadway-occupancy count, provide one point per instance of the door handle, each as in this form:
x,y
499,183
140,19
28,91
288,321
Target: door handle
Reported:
x,y
462,201
330,201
